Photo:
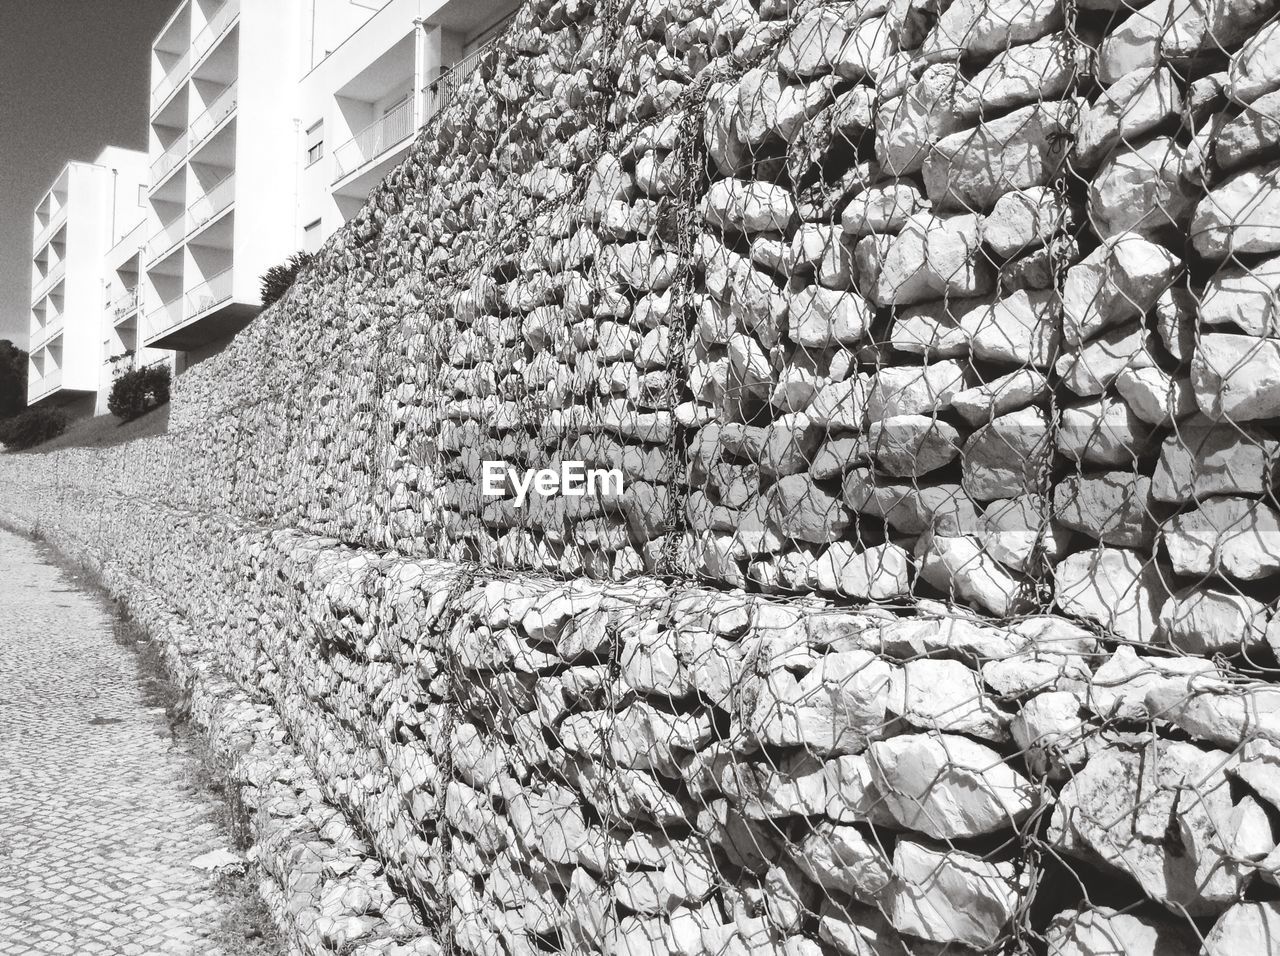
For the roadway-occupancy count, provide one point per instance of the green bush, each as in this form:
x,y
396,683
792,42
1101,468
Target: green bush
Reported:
x,y
136,393
277,279
32,427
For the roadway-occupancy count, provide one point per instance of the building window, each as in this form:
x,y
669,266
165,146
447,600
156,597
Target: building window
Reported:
x,y
311,236
142,195
315,144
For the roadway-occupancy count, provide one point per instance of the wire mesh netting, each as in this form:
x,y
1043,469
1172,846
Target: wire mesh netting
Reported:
x,y
936,346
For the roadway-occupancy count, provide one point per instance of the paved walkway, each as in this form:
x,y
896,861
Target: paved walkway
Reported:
x,y
99,823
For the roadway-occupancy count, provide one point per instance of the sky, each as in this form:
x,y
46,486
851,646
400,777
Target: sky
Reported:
x,y
74,77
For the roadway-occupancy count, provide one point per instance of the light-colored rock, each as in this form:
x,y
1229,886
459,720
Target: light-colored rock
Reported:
x,y
1122,806
1091,368
971,170
749,206
1242,215
1121,684
980,404
882,209
1207,621
1135,103
879,573
1023,218
1054,738
803,511
1155,396
822,318
912,445
1120,280
1102,931
1006,458
946,696
1250,137
840,858
960,567
1104,432
919,390
1252,70
1114,507
1206,458
1120,590
1245,928
833,709
911,507
1019,534
1021,74
977,27
948,786
1237,377
933,329
932,257
1141,192
836,40
908,126
947,896
1020,329
1247,298
1239,537
841,405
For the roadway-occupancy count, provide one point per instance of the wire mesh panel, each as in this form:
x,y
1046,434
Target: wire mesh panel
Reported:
x,y
934,609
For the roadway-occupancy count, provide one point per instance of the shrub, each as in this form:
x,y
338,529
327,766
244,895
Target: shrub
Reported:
x,y
137,392
277,279
32,427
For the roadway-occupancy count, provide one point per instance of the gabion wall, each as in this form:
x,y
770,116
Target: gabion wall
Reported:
x,y
937,346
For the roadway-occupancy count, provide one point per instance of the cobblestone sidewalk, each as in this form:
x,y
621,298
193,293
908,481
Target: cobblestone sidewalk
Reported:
x,y
98,824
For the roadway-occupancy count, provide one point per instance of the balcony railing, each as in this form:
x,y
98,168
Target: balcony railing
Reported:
x,y
164,317
205,296
206,122
166,238
54,224
218,198
215,28
172,79
437,94
123,304
47,331
50,382
174,153
374,140
51,278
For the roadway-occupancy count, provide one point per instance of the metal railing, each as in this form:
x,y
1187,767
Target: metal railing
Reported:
x,y
168,236
165,316
171,80
212,292
174,153
437,94
215,200
220,109
51,381
54,224
47,331
375,139
50,279
214,29
123,304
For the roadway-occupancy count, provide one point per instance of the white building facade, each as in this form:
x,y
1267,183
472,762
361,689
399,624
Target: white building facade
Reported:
x,y
269,123
87,212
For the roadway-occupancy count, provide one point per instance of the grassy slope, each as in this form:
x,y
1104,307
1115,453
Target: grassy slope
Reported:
x,y
103,430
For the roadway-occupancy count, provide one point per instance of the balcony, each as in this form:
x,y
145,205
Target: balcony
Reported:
x,y
122,305
174,77
219,24
51,278
212,118
54,223
44,386
171,157
216,200
45,333
439,93
165,317
375,139
166,238
208,294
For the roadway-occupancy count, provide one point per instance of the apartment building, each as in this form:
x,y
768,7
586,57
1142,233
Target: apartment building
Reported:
x,y
374,76
269,123
88,211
